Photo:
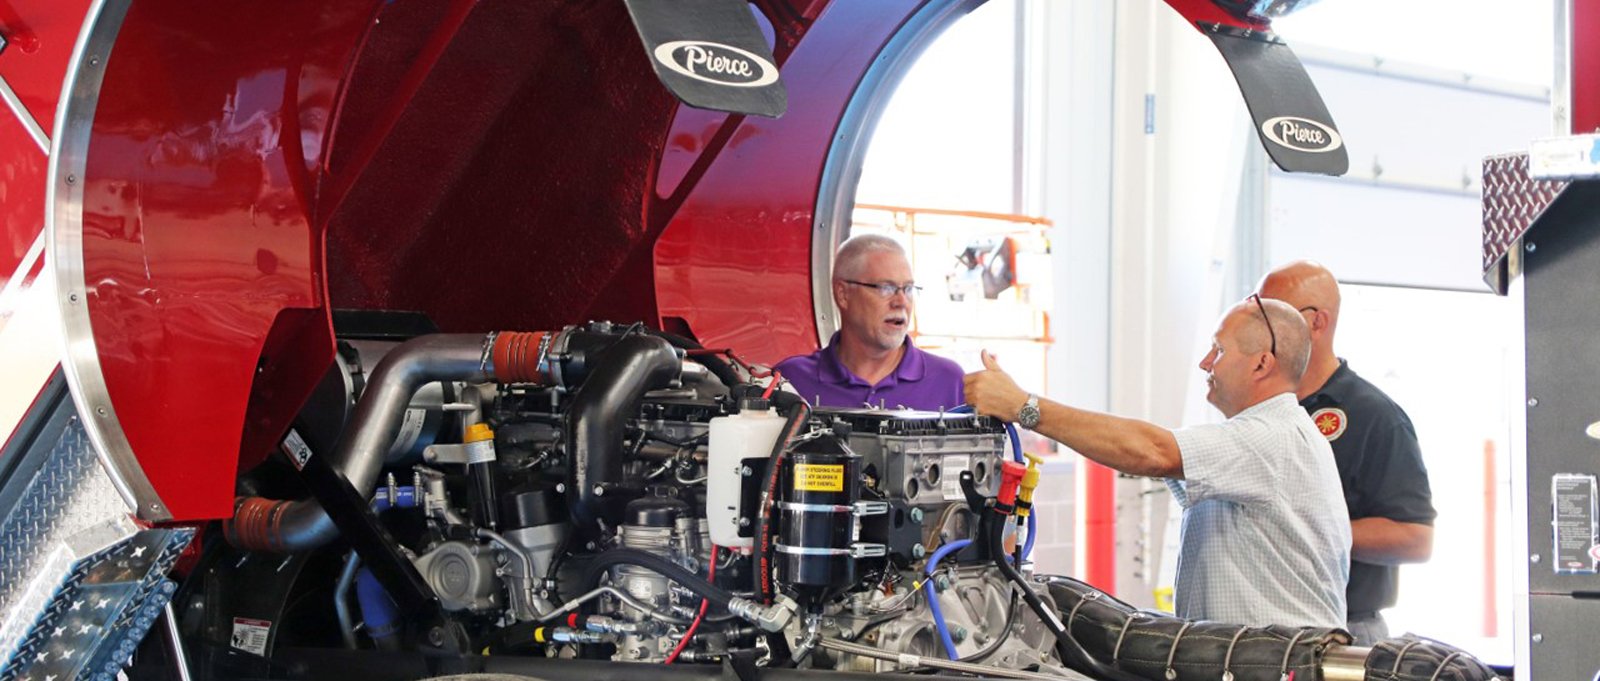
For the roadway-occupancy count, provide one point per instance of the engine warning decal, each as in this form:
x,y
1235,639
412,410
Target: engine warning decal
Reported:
x,y
818,477
251,635
295,447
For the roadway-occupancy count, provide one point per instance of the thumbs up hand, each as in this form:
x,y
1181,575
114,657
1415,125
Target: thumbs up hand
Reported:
x,y
992,392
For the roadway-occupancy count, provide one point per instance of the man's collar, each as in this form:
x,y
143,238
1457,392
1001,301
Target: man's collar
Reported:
x,y
832,369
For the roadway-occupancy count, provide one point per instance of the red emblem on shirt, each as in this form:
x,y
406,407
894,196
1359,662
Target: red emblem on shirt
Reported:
x,y
1330,421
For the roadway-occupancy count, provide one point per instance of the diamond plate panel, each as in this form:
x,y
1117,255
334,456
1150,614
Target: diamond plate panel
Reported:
x,y
69,510
1512,201
99,612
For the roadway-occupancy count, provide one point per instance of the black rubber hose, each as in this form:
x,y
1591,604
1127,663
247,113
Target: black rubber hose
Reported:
x,y
718,596
798,413
1066,646
716,365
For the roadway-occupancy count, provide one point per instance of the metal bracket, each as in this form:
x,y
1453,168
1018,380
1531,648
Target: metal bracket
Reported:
x,y
863,550
871,509
449,453
379,551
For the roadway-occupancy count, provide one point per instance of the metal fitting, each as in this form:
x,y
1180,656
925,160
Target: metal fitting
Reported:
x,y
770,618
569,635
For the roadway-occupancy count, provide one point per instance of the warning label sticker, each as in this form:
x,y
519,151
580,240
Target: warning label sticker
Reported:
x,y
1576,517
950,479
817,477
296,449
251,635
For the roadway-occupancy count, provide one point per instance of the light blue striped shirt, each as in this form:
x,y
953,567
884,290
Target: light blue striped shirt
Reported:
x,y
1266,537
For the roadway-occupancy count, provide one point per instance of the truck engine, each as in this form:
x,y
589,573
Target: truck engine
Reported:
x,y
609,492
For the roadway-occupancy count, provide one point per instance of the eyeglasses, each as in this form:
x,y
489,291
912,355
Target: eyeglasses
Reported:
x,y
1268,320
887,290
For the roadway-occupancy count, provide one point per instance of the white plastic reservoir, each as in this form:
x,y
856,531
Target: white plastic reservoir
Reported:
x,y
748,434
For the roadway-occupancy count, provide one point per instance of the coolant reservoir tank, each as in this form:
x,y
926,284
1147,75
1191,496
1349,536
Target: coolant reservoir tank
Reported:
x,y
747,434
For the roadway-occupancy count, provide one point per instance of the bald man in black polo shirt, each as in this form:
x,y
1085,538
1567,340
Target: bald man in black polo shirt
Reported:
x,y
1375,447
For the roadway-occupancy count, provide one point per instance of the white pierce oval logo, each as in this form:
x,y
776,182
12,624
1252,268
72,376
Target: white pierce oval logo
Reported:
x,y
716,63
1302,134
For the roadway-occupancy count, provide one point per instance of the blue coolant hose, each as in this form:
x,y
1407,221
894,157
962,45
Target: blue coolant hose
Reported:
x,y
933,596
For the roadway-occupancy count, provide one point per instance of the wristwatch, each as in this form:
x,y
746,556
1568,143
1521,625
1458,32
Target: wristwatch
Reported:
x,y
1028,416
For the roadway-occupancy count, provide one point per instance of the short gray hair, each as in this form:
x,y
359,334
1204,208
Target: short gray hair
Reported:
x,y
852,255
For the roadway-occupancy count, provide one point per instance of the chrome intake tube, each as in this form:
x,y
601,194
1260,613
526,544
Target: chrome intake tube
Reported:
x,y
289,526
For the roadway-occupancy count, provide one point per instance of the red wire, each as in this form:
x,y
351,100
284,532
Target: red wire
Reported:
x,y
711,576
776,377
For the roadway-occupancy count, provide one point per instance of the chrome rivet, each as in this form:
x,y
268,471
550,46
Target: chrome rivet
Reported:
x,y
72,298
1538,638
100,411
1530,247
71,179
1533,401
94,61
1533,558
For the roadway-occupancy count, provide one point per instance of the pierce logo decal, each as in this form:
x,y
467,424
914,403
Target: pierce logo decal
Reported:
x,y
1302,134
716,63
1331,422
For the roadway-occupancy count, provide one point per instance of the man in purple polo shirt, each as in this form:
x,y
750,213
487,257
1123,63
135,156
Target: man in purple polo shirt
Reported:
x,y
870,361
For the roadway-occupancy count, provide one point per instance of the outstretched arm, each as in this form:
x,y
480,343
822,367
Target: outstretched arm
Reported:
x,y
1128,445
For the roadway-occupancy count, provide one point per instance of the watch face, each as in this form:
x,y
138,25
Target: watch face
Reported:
x,y
1029,416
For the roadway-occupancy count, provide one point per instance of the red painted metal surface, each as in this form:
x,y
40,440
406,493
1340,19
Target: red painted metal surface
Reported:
x,y
199,255
1585,85
734,262
509,192
42,34
496,181
1209,12
22,180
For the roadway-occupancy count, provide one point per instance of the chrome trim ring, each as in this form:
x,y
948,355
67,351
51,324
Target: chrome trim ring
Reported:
x,y
69,155
836,194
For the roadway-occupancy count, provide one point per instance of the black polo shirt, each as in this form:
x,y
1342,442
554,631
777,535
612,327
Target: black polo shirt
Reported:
x,y
1380,466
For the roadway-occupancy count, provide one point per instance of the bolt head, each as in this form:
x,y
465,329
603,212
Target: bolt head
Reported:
x,y
1533,401
918,551
1530,247
1533,558
746,471
599,491
436,637
1538,638
916,515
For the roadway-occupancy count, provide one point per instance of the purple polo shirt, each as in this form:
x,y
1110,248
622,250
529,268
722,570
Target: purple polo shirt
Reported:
x,y
922,381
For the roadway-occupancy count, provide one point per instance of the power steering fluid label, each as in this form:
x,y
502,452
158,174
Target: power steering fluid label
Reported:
x,y
818,477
